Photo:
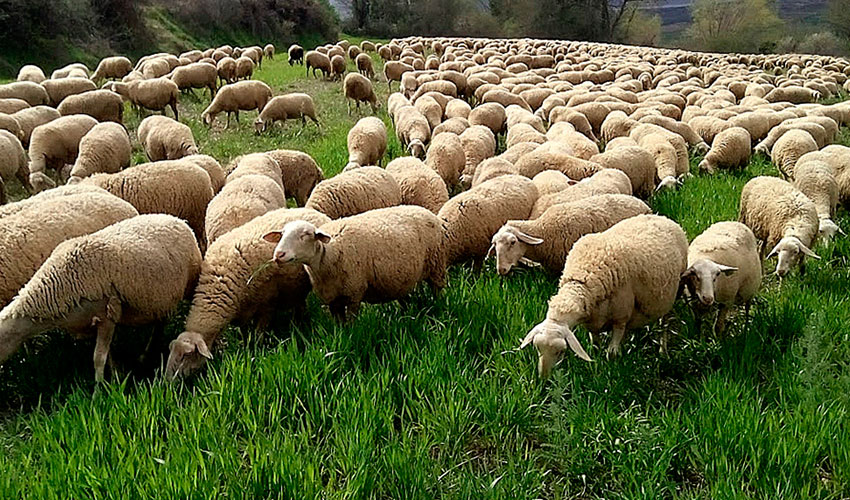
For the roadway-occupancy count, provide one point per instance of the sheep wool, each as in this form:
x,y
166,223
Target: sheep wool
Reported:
x,y
13,163
419,184
104,149
54,145
241,200
367,142
300,173
165,139
355,192
816,180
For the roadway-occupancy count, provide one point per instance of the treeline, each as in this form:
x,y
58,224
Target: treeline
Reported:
x,y
53,32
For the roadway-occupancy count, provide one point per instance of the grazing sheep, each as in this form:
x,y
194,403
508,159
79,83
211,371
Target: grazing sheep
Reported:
x,y
73,70
300,173
816,180
367,142
355,192
155,94
102,105
419,184
12,106
364,65
230,288
337,67
635,162
226,70
492,168
165,139
789,148
31,118
283,107
454,125
724,268
244,69
548,239
11,125
241,200
345,270
196,76
446,157
730,149
211,166
31,92
606,181
551,157
295,54
472,217
782,218
255,163
430,109
318,61
40,223
31,73
94,282
492,115
104,149
236,97
115,67
623,278
458,108
54,145
358,88
393,71
268,51
581,146
479,143
413,130
13,163
58,90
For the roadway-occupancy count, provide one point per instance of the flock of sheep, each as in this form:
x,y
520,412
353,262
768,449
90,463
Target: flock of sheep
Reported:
x,y
590,132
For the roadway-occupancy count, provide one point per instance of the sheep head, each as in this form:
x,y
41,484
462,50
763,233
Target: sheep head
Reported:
x,y
298,242
827,229
259,126
510,245
416,148
790,251
551,339
701,277
189,353
41,182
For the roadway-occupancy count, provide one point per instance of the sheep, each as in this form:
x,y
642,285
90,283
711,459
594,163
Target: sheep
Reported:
x,y
551,181
155,94
354,192
358,88
236,97
31,73
31,118
724,268
523,132
300,173
581,146
104,149
59,89
548,239
94,282
54,145
419,184
176,188
816,180
364,65
472,217
683,129
255,163
337,67
367,142
730,149
196,76
492,168
395,101
492,115
635,162
606,181
430,109
623,278
13,162
318,61
345,270
116,67
73,70
817,132
165,139
782,218
549,156
241,199
793,94
11,125
479,143
39,225
446,157
226,70
268,51
295,54
393,71
457,108
33,93
413,130
454,125
283,107
230,288
244,68
102,105
667,165
789,148
11,105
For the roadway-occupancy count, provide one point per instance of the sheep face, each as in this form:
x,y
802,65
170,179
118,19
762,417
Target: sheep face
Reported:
x,y
189,353
510,245
416,148
13,332
41,182
551,339
259,126
790,251
298,242
827,230
701,279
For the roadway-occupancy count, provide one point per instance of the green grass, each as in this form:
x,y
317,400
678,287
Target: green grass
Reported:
x,y
431,398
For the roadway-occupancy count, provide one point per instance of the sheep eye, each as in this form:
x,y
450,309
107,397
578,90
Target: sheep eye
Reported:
x,y
513,243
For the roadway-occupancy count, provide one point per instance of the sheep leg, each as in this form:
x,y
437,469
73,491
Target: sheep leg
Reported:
x,y
156,333
23,175
720,323
618,332
337,308
237,117
173,105
105,330
2,192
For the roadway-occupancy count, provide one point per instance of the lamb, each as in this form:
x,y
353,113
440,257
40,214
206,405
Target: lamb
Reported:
x,y
155,94
54,145
116,67
548,239
231,289
393,70
40,225
300,173
413,130
606,181
283,107
177,188
104,149
724,268
637,163
446,157
196,76
13,162
30,118
816,180
730,149
318,61
479,143
241,200
364,65
789,148
236,97
782,218
165,139
94,282
33,93
345,270
59,89
625,277
419,184
244,68
102,105
358,88
31,73
295,54
354,192
367,142
472,217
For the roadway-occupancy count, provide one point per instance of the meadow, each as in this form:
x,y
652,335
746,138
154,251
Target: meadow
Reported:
x,y
432,398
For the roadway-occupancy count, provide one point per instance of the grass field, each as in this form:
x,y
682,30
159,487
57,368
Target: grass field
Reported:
x,y
432,399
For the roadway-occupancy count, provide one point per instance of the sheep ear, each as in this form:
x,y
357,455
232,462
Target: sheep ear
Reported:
x,y
273,236
525,238
575,345
203,350
727,270
688,273
807,251
490,251
322,236
773,252
529,338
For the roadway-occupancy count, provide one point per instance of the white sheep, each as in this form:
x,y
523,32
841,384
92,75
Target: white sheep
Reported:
x,y
284,107
367,142
445,156
419,184
358,88
55,145
413,130
240,200
789,148
354,192
165,139
104,149
816,180
236,97
731,148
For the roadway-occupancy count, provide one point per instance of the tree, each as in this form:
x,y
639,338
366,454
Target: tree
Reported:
x,y
733,25
838,17
636,27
